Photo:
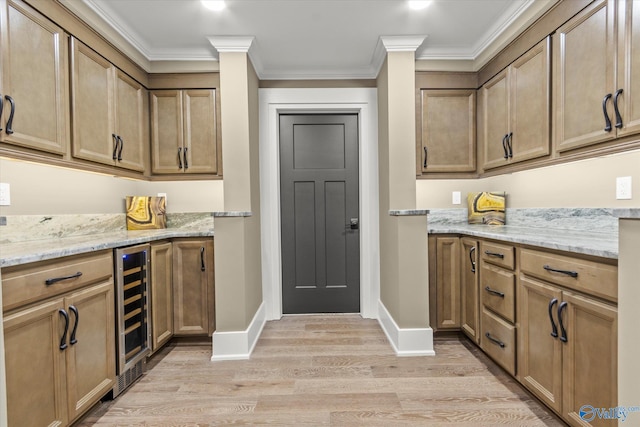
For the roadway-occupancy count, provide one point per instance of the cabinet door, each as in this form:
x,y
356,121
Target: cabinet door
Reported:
x,y
91,366
584,52
129,123
35,366
35,76
539,352
166,132
629,66
590,357
530,107
92,105
448,282
161,295
448,130
192,278
495,120
200,145
469,287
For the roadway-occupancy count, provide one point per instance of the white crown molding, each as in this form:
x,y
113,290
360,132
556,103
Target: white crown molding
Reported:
x,y
231,43
401,43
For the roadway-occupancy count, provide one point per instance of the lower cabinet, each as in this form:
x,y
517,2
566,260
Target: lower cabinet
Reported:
x,y
444,282
193,287
469,272
60,352
161,283
568,341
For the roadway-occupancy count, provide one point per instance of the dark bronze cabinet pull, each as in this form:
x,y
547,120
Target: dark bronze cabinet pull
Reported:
x,y
424,164
1,108
494,292
63,340
615,108
567,272
607,127
509,144
471,258
554,329
496,341
202,259
180,157
495,254
504,146
114,156
121,147
59,279
72,338
186,162
563,331
9,129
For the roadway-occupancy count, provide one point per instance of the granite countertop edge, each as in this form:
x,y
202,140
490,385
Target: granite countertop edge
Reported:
x,y
40,250
604,245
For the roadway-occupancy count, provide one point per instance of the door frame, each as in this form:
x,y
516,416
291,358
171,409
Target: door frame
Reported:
x,y
363,102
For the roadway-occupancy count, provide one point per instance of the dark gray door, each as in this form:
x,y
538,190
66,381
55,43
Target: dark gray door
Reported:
x,y
319,210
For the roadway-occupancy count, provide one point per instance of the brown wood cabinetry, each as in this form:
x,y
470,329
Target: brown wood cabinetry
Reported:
x,y
60,349
567,340
515,111
448,130
161,294
469,272
34,79
592,103
444,277
497,299
193,287
184,132
108,112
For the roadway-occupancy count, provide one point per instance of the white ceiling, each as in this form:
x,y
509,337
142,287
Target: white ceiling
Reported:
x,y
308,39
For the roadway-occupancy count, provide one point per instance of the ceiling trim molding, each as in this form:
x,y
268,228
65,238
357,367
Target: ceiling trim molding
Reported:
x,y
401,43
231,43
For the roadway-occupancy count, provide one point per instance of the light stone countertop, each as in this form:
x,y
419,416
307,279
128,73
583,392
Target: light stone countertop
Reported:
x,y
40,250
603,245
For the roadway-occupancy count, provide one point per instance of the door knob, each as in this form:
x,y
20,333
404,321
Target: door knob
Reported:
x,y
354,223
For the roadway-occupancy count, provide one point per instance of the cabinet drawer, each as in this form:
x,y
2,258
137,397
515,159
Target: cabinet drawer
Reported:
x,y
24,284
498,254
498,340
591,277
498,291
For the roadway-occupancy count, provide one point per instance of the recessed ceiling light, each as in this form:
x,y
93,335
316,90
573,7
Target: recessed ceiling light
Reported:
x,y
419,4
216,5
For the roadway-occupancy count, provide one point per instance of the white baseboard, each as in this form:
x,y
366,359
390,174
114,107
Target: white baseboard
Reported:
x,y
405,342
238,345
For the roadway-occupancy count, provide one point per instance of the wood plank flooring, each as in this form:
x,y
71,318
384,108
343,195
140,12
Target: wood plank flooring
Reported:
x,y
334,370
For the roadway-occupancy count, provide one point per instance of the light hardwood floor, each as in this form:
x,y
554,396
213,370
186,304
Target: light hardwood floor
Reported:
x,y
336,370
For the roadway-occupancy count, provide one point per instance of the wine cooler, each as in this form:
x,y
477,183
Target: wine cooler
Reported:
x,y
132,294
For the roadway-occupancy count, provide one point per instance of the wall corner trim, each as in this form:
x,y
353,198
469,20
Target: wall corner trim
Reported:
x,y
238,345
405,342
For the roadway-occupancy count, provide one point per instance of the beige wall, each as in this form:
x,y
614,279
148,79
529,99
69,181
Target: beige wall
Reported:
x,y
584,183
403,239
42,189
238,246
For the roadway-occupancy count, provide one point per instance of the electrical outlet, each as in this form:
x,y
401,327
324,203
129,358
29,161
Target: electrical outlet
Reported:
x,y
5,194
623,188
456,198
163,195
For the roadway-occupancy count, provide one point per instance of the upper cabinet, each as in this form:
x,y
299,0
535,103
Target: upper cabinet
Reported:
x,y
448,131
184,132
515,110
593,103
34,92
108,112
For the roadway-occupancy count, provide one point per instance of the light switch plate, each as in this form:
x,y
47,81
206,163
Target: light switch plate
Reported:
x,y
456,198
623,188
5,194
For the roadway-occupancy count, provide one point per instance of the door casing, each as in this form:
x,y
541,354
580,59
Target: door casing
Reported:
x,y
362,101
